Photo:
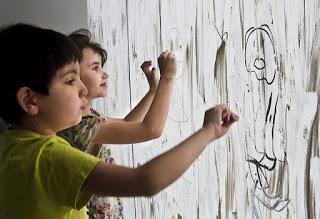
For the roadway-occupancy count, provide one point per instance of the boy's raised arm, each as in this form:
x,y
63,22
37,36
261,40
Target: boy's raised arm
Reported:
x,y
150,178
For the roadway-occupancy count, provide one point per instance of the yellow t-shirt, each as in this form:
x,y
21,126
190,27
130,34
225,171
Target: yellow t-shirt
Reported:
x,y
41,177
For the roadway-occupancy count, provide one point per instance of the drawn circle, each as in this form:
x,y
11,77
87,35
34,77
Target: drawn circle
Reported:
x,y
259,63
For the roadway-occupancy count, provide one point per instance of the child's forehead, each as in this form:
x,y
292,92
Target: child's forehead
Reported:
x,y
69,68
89,57
90,53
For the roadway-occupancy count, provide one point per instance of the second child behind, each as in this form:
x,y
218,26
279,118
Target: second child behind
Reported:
x,y
145,122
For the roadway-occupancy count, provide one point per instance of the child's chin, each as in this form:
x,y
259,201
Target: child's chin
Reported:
x,y
76,122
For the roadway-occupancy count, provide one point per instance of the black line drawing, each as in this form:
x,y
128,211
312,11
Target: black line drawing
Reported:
x,y
263,161
221,35
263,36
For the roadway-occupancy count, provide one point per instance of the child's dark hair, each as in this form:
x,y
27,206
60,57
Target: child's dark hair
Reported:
x,y
30,57
82,38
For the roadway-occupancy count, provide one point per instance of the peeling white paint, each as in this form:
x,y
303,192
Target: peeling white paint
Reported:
x,y
263,59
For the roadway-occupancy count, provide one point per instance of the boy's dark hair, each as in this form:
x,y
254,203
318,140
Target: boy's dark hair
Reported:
x,y
30,57
82,38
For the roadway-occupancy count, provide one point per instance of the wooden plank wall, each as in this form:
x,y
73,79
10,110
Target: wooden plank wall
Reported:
x,y
259,57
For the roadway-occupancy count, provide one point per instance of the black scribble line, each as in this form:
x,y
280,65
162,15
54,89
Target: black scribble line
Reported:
x,y
221,35
259,165
269,106
274,116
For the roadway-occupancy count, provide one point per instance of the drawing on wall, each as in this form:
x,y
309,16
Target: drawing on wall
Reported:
x,y
264,157
175,42
252,55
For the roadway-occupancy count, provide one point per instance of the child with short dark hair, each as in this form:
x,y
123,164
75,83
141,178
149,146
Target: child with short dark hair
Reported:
x,y
42,176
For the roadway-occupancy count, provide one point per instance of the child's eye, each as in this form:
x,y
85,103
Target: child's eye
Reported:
x,y
70,82
96,68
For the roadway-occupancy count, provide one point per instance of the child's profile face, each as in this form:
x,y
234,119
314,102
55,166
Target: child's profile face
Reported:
x,y
92,74
66,102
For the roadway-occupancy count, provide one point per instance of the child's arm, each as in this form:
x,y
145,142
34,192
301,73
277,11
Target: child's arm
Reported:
x,y
121,132
155,175
139,111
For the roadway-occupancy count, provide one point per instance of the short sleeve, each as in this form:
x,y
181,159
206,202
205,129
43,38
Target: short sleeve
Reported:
x,y
81,135
62,172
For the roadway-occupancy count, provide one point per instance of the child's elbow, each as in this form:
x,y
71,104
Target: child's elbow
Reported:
x,y
155,132
150,186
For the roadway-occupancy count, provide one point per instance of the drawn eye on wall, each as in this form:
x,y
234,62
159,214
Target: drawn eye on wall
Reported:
x,y
260,53
174,42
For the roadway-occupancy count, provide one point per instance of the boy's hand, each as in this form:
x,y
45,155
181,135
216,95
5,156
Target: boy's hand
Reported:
x,y
218,120
151,74
167,64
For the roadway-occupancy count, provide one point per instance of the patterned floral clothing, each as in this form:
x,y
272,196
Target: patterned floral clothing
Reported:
x,y
80,136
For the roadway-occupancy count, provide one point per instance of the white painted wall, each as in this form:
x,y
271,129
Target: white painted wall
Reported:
x,y
62,15
224,48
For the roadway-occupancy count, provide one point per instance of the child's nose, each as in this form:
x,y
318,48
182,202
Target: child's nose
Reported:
x,y
105,75
83,90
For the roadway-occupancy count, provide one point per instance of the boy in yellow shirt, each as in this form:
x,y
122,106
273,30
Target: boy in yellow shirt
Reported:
x,y
41,175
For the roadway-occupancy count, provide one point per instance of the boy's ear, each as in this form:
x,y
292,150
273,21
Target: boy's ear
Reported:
x,y
27,100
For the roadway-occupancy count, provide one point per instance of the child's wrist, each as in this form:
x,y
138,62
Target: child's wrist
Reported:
x,y
152,90
167,77
210,133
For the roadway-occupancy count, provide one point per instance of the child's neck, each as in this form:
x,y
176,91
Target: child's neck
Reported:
x,y
34,126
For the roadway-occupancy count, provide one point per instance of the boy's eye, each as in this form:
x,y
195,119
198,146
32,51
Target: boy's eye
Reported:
x,y
96,68
70,82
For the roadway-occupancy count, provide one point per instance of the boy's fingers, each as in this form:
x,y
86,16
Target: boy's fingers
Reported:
x,y
233,119
234,116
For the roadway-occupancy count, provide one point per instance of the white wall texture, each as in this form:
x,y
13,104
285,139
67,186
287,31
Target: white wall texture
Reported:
x,y
259,57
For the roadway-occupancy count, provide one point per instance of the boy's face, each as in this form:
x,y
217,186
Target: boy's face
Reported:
x,y
66,102
92,74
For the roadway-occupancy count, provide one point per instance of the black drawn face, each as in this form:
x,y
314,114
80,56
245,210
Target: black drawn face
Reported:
x,y
260,53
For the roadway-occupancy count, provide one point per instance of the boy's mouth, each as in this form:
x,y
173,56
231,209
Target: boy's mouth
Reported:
x,y
85,104
84,107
